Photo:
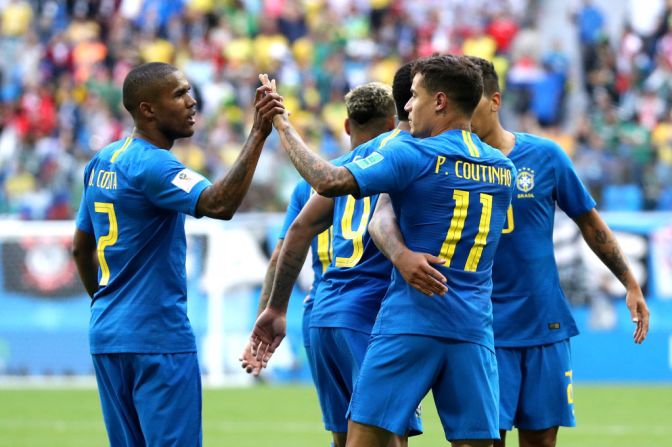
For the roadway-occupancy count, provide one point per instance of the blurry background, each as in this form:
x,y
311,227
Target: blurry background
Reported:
x,y
594,76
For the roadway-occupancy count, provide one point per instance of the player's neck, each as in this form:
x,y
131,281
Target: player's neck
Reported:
x,y
403,125
501,139
451,124
153,136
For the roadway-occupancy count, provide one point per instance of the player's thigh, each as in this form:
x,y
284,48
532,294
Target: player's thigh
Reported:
x,y
115,388
396,374
548,374
168,398
510,372
466,391
338,354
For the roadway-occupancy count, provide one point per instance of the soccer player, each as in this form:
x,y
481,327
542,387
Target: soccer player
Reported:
x,y
321,258
130,251
532,319
353,286
452,192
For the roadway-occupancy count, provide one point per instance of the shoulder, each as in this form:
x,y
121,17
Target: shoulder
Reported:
x,y
301,192
541,145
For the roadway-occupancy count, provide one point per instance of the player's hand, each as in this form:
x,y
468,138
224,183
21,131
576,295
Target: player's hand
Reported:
x,y
267,104
417,270
279,119
639,313
248,361
268,332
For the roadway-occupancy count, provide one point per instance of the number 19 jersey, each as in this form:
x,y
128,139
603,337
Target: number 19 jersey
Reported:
x,y
134,202
450,194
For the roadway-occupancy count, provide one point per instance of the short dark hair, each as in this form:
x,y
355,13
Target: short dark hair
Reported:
x,y
488,73
368,102
401,89
143,83
456,76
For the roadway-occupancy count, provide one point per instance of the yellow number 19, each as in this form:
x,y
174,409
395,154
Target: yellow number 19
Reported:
x,y
457,225
105,241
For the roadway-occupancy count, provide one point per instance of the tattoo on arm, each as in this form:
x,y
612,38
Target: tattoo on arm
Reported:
x,y
223,198
603,243
324,177
268,279
289,265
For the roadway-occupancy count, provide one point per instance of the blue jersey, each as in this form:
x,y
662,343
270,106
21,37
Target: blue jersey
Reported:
x,y
321,244
134,202
353,286
450,194
529,306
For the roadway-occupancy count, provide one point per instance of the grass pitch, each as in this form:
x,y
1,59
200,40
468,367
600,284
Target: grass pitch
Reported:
x,y
608,416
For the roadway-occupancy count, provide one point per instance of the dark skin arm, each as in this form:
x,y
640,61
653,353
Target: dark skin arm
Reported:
x,y
269,330
325,178
414,267
85,255
601,240
222,199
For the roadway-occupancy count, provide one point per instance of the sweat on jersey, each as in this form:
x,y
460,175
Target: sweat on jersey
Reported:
x,y
530,308
134,202
450,193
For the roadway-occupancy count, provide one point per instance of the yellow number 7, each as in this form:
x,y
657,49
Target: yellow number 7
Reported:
x,y
105,241
457,225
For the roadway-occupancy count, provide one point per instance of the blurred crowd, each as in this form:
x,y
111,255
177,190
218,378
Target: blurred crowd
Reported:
x,y
64,62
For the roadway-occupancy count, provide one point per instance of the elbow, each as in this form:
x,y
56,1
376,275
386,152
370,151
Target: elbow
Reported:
x,y
331,189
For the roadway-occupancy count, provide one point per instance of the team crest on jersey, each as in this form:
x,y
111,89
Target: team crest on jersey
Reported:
x,y
525,180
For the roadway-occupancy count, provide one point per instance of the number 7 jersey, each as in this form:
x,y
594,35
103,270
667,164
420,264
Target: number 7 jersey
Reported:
x,y
134,202
450,194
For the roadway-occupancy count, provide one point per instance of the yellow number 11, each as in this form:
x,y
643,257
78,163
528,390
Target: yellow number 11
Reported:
x,y
457,225
105,241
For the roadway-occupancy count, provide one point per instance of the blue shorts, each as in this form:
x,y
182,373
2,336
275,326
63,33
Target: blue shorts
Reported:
x,y
535,387
338,355
150,399
305,331
399,370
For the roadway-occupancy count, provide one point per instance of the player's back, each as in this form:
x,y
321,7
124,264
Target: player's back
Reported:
x,y
357,278
450,193
135,196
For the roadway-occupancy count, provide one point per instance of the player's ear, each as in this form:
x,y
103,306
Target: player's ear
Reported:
x,y
346,125
146,109
495,102
391,122
441,102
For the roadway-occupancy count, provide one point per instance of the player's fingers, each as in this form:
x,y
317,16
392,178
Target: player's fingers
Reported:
x,y
434,273
273,86
434,259
419,286
434,284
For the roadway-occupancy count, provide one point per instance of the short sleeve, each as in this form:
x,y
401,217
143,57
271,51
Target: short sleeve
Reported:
x,y
168,184
389,170
570,193
296,202
83,221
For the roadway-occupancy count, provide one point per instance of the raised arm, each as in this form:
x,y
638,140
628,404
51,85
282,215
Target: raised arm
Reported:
x,y
601,240
325,178
222,199
414,267
84,254
269,329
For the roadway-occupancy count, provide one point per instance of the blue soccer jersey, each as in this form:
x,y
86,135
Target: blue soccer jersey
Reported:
x,y
450,194
321,244
352,288
529,306
134,202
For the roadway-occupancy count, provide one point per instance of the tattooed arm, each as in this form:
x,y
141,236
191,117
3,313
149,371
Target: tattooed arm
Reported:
x,y
222,199
601,240
327,179
269,329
